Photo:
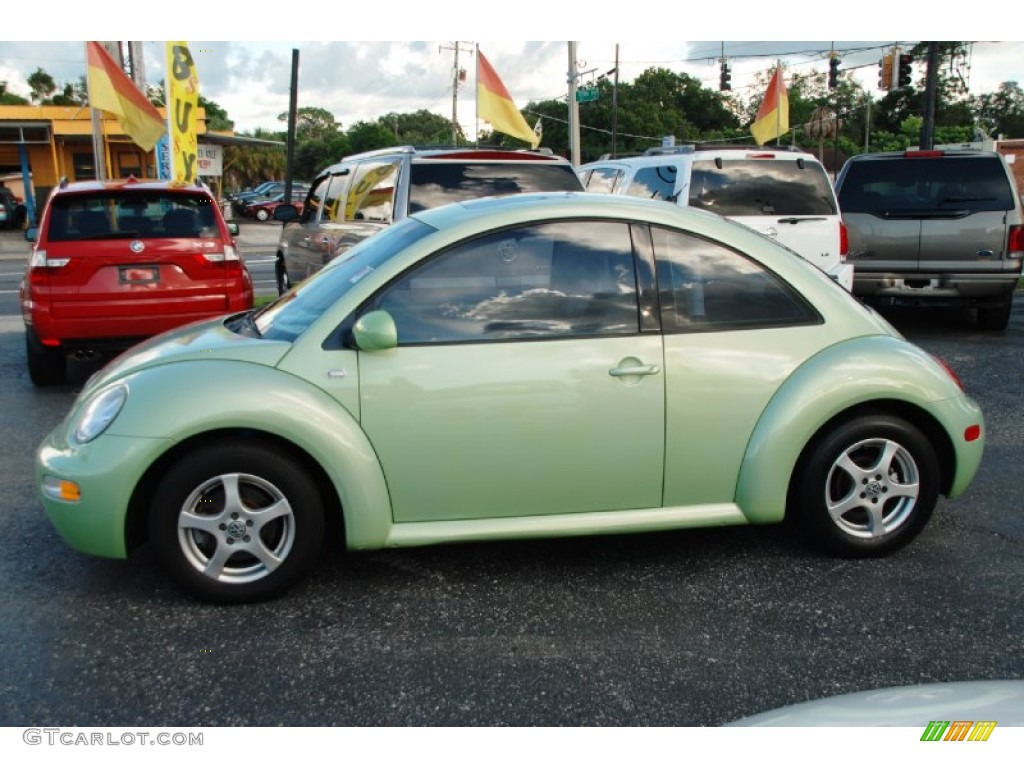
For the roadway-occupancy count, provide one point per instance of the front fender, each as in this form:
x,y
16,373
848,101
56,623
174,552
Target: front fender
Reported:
x,y
182,400
843,376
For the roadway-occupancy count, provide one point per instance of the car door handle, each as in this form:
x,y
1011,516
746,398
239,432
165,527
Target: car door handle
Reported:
x,y
635,370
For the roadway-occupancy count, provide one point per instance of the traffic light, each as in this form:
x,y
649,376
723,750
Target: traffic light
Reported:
x,y
833,73
885,73
725,79
903,76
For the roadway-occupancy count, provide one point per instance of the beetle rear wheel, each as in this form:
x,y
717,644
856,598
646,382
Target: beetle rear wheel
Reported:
x,y
866,488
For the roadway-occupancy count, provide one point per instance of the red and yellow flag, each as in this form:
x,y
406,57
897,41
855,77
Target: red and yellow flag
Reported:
x,y
112,91
495,106
773,115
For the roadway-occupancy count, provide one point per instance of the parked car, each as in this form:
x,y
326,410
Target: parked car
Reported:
x,y
935,228
118,261
239,199
262,208
534,365
12,210
365,193
783,193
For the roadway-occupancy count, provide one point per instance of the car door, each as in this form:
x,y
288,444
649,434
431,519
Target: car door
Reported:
x,y
521,384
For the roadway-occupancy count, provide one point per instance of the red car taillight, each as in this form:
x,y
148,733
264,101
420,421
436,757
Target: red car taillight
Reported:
x,y
1015,242
844,241
40,266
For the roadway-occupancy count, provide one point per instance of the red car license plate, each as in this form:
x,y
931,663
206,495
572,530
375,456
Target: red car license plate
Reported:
x,y
140,275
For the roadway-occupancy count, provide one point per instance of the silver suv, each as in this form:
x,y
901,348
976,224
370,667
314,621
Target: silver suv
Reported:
x,y
364,193
783,193
934,227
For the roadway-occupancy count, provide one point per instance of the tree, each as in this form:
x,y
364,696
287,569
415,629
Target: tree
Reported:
x,y
10,98
312,123
417,128
364,136
1002,112
41,86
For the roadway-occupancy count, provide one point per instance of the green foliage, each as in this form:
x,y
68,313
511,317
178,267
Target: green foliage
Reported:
x,y
10,98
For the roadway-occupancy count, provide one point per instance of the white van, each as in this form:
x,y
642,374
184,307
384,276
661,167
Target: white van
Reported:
x,y
783,193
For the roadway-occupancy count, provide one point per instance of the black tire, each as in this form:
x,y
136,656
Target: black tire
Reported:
x,y
231,547
866,488
46,367
996,318
284,282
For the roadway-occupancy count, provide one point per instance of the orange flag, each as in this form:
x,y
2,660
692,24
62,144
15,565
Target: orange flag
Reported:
x,y
773,115
112,91
495,106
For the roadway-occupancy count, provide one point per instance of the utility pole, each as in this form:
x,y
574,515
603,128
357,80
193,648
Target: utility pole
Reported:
x,y
574,108
931,83
458,76
615,102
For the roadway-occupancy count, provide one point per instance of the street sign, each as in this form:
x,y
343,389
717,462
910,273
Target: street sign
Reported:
x,y
586,94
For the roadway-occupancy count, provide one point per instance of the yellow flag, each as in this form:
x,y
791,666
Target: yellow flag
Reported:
x,y
112,91
773,115
183,108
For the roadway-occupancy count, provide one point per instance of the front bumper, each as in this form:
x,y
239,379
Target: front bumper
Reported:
x,y
106,471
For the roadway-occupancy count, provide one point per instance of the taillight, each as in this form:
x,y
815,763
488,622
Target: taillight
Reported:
x,y
924,153
229,257
39,265
844,241
1015,242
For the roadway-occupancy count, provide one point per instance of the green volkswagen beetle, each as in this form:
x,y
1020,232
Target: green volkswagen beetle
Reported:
x,y
536,365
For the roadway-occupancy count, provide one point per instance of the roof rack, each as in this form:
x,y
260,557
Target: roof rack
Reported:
x,y
409,149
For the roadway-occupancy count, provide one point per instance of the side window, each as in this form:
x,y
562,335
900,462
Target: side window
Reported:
x,y
654,183
315,199
705,286
550,280
372,193
603,180
334,199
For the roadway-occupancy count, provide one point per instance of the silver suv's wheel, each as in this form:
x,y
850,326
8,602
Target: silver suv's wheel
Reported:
x,y
235,522
867,487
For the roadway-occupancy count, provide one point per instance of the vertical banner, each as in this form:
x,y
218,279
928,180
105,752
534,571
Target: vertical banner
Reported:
x,y
163,158
182,109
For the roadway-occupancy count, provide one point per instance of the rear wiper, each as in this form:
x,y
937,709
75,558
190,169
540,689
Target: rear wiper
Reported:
x,y
964,199
795,220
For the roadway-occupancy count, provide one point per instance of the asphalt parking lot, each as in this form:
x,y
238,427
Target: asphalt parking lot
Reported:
x,y
693,628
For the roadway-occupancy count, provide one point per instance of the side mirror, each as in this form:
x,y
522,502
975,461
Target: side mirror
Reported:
x,y
286,212
233,229
375,330
31,234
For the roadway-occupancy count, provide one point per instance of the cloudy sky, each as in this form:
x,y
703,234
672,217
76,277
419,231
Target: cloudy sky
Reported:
x,y
362,80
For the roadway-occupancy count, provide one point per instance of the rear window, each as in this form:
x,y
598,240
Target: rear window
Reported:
x,y
939,184
761,187
433,184
131,214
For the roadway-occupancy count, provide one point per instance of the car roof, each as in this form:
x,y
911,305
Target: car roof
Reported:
x,y
116,185
659,155
462,153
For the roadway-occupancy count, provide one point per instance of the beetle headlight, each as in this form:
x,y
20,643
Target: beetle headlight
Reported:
x,y
98,413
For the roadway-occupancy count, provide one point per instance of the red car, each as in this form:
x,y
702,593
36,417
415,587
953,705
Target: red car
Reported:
x,y
118,261
263,210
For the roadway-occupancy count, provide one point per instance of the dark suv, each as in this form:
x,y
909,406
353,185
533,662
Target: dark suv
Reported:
x,y
364,193
934,227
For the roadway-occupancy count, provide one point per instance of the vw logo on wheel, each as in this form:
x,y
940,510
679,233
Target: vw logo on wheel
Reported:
x,y
137,246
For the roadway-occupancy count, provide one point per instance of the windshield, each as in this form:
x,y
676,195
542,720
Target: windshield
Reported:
x,y
761,187
126,213
437,183
287,317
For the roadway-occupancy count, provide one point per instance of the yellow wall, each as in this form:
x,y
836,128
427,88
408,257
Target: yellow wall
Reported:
x,y
70,135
